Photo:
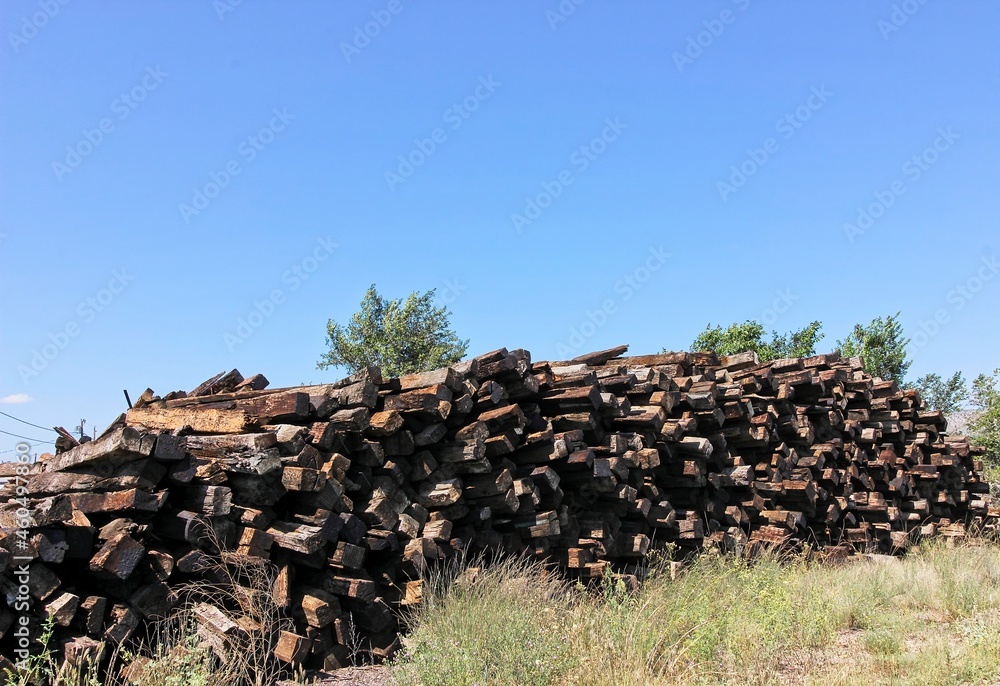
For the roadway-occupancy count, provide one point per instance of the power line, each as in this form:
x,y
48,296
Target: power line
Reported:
x,y
44,428
14,450
33,440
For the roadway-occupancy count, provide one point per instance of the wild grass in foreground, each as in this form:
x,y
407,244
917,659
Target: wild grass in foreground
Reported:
x,y
930,618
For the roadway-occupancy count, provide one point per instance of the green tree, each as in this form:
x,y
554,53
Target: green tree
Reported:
x,y
946,396
749,335
984,425
882,346
399,336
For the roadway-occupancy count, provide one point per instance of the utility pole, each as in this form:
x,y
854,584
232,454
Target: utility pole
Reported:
x,y
80,428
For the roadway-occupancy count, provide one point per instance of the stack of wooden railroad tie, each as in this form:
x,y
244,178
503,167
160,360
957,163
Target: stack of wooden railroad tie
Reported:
x,y
352,489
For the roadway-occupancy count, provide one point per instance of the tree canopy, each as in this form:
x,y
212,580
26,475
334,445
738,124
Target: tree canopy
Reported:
x,y
940,394
750,335
984,426
882,346
399,336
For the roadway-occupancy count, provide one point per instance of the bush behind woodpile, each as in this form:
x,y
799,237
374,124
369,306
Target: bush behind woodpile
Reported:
x,y
991,472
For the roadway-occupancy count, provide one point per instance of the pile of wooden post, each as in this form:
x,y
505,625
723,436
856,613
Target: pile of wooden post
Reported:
x,y
352,490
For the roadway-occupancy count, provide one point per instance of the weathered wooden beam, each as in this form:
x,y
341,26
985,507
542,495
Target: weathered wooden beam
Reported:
x,y
208,420
117,558
143,474
122,445
131,500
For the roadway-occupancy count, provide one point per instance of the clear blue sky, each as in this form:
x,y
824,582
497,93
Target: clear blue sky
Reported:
x,y
624,120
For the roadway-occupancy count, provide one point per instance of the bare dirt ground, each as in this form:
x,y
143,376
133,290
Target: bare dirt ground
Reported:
x,y
840,659
353,676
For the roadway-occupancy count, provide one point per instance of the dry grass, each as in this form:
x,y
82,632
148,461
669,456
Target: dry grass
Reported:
x,y
931,618
179,652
